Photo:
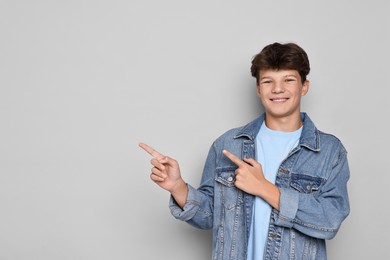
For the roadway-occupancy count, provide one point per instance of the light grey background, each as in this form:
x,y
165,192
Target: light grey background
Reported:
x,y
82,82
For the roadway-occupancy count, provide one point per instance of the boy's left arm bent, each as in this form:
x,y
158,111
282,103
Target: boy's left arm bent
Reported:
x,y
321,213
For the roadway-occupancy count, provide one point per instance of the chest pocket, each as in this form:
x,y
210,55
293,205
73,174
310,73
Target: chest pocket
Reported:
x,y
229,194
306,183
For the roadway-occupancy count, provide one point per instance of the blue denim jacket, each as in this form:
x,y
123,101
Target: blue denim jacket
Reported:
x,y
313,201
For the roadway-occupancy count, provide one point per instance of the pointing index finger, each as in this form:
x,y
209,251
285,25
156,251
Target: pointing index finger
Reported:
x,y
151,151
233,158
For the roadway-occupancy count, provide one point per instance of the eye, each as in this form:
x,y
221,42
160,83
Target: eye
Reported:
x,y
266,82
290,80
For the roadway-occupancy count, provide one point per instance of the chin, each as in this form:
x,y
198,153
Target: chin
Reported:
x,y
281,114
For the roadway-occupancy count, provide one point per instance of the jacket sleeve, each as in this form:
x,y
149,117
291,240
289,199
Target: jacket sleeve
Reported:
x,y
198,209
321,213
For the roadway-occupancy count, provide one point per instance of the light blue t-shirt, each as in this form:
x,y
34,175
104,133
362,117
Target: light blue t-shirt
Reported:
x,y
272,148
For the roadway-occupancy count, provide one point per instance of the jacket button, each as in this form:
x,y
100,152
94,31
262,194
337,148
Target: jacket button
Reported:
x,y
230,179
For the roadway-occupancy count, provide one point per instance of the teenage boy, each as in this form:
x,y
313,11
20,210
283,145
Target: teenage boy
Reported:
x,y
275,188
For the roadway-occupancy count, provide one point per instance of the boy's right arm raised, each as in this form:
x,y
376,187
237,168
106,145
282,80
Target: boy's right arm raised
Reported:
x,y
166,173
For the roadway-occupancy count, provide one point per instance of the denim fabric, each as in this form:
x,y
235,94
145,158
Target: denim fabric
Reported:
x,y
313,202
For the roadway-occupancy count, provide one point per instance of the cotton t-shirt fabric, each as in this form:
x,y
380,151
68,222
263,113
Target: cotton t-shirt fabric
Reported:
x,y
272,148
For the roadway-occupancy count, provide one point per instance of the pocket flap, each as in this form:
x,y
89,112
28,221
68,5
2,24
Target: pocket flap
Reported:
x,y
306,183
226,175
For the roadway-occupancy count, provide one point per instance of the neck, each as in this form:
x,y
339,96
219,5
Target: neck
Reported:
x,y
283,124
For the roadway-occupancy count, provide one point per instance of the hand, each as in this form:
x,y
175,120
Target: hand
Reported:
x,y
250,178
165,171
249,173
166,174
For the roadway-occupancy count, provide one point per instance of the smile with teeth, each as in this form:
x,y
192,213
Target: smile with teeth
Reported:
x,y
279,100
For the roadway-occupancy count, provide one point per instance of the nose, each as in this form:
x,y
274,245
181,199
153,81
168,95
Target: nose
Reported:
x,y
278,88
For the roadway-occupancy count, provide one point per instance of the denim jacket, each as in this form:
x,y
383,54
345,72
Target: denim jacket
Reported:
x,y
313,196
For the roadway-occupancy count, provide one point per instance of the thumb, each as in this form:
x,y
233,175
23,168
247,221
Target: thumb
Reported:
x,y
252,162
168,160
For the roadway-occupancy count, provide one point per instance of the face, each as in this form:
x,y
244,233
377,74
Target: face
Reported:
x,y
280,92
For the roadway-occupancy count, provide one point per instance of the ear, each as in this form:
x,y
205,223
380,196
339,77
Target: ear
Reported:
x,y
258,89
305,87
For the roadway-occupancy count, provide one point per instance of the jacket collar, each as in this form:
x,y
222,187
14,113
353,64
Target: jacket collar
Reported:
x,y
309,137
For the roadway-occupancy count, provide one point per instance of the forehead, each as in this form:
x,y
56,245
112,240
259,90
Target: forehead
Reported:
x,y
272,73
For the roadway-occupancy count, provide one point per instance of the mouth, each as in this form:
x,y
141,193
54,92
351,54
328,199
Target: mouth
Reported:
x,y
279,100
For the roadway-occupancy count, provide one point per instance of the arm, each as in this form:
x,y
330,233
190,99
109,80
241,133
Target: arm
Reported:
x,y
187,203
199,208
321,213
317,215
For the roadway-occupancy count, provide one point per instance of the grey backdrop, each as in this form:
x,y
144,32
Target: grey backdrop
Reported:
x,y
82,82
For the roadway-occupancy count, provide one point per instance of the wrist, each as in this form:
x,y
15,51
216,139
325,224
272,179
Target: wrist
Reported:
x,y
179,188
179,192
271,194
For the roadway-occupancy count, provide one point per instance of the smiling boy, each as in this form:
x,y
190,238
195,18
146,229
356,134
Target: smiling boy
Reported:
x,y
275,188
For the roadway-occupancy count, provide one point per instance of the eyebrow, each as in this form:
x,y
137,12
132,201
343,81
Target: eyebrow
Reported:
x,y
285,76
290,75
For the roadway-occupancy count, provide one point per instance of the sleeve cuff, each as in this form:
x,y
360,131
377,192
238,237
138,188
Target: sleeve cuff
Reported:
x,y
289,200
190,208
